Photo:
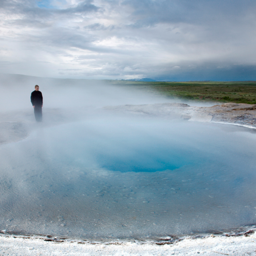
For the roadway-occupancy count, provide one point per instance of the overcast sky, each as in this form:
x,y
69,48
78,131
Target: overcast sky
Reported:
x,y
129,39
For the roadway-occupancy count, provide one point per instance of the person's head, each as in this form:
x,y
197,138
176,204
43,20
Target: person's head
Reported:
x,y
37,87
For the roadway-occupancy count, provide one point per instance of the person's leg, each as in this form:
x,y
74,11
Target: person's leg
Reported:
x,y
38,113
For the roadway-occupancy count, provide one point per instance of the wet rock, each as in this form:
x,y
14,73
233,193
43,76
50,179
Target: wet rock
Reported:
x,y
49,240
249,232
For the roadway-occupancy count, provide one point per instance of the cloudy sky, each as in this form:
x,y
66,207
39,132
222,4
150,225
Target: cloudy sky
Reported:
x,y
129,39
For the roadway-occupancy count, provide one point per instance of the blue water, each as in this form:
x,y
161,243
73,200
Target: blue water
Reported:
x,y
125,148
135,153
123,177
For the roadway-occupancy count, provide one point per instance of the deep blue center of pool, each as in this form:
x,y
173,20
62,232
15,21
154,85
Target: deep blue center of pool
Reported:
x,y
160,158
131,152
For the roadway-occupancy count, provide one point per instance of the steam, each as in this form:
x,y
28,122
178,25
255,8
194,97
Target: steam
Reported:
x,y
91,172
70,93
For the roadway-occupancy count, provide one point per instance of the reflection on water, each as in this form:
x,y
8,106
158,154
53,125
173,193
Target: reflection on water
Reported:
x,y
118,179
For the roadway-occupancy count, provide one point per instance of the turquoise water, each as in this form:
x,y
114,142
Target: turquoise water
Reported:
x,y
130,151
123,178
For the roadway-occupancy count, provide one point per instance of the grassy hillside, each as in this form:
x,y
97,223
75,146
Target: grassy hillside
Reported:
x,y
239,92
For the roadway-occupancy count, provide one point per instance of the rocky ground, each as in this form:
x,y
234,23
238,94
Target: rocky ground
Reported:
x,y
242,114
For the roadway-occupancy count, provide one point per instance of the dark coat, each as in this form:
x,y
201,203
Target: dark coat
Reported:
x,y
36,98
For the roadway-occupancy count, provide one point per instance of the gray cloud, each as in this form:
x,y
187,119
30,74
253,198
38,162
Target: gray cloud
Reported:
x,y
127,38
86,6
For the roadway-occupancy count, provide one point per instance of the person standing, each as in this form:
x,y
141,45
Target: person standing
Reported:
x,y
37,103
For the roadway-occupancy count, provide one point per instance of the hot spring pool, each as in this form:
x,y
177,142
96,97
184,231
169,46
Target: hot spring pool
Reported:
x,y
123,178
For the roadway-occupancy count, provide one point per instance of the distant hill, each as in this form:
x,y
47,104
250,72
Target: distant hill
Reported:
x,y
146,79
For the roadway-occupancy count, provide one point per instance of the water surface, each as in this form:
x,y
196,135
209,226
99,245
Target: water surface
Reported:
x,y
122,178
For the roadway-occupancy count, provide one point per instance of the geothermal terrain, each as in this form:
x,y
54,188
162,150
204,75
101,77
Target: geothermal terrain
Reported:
x,y
114,168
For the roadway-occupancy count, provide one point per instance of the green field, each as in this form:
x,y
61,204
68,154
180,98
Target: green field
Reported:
x,y
239,92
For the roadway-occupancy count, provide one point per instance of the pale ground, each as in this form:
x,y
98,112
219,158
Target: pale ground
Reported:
x,y
14,128
219,245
